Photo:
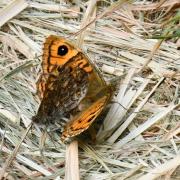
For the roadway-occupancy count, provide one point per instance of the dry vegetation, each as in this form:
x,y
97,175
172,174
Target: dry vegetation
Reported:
x,y
140,136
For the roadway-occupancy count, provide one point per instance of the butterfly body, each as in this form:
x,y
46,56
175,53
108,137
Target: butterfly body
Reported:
x,y
69,87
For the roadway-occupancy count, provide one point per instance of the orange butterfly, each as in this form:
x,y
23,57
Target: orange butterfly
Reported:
x,y
71,89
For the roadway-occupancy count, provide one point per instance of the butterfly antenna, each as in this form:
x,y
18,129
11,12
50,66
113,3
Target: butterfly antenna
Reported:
x,y
14,152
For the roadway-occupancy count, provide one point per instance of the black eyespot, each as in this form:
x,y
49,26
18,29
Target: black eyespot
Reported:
x,y
62,50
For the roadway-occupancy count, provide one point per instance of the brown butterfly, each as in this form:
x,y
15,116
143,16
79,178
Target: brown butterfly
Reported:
x,y
71,89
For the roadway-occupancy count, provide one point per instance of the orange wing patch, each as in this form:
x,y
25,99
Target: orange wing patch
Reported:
x,y
85,119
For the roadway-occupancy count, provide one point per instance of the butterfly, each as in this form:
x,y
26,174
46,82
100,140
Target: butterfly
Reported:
x,y
72,91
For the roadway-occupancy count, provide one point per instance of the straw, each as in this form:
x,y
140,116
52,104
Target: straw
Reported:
x,y
135,42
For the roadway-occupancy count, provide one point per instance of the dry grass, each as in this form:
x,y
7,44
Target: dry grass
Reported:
x,y
139,138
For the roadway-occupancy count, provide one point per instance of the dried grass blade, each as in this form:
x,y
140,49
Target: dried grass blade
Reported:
x,y
17,70
85,21
162,169
149,58
72,162
17,44
94,155
12,156
121,129
12,10
109,10
132,171
145,126
30,163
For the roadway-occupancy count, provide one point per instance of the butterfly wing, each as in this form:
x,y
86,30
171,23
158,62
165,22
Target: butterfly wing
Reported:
x,y
64,82
82,122
69,78
52,60
53,64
